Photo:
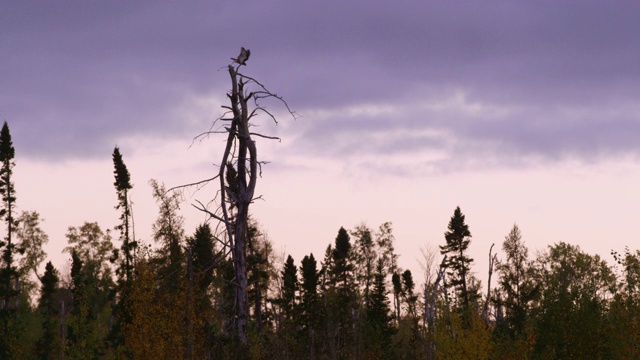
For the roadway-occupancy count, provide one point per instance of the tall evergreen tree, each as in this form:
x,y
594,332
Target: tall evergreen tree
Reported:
x,y
123,185
341,260
459,263
342,305
310,315
379,318
8,271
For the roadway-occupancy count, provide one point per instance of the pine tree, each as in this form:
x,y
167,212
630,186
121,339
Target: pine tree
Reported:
x,y
459,263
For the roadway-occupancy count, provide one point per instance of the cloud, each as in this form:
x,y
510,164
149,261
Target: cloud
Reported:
x,y
498,84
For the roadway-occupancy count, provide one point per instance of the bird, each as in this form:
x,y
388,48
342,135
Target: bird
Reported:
x,y
243,57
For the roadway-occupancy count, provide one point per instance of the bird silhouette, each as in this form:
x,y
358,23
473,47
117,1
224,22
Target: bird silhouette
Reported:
x,y
243,57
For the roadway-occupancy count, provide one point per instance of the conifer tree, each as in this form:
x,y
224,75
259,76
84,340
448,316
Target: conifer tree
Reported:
x,y
289,286
459,263
309,300
343,305
49,345
342,266
379,319
123,185
8,271
203,247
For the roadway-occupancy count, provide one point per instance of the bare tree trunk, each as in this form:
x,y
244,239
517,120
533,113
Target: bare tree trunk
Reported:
x,y
239,159
485,310
243,196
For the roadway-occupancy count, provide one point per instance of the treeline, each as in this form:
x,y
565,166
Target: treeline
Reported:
x,y
177,299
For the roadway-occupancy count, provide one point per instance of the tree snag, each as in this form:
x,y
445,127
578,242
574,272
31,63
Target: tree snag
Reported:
x,y
237,175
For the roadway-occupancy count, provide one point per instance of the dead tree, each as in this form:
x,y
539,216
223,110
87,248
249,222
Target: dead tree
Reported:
x,y
237,175
485,310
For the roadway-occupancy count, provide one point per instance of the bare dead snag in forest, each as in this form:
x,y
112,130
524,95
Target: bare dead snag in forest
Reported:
x,y
485,310
237,175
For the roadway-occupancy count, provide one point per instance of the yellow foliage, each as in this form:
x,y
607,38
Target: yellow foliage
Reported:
x,y
157,329
472,343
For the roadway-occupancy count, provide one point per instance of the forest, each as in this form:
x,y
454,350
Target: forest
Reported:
x,y
220,292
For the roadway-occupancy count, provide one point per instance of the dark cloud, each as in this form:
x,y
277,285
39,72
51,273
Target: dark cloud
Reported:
x,y
77,76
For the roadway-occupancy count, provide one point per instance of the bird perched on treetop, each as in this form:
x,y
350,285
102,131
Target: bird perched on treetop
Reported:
x,y
243,57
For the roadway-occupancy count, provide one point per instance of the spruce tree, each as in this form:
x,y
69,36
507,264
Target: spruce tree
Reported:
x,y
342,266
202,247
123,185
289,286
49,345
8,272
458,238
379,318
309,299
341,320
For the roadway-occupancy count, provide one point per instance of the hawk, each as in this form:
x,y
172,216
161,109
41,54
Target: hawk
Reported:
x,y
243,57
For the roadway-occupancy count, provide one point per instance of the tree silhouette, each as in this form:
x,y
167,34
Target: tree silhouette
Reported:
x,y
459,263
237,176
8,273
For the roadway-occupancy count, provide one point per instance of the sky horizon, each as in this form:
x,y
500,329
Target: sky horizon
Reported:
x,y
516,112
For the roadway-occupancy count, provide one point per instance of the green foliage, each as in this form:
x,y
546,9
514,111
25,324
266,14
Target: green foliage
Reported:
x,y
32,239
572,311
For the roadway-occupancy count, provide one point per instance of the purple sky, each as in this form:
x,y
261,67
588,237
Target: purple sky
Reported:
x,y
517,112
